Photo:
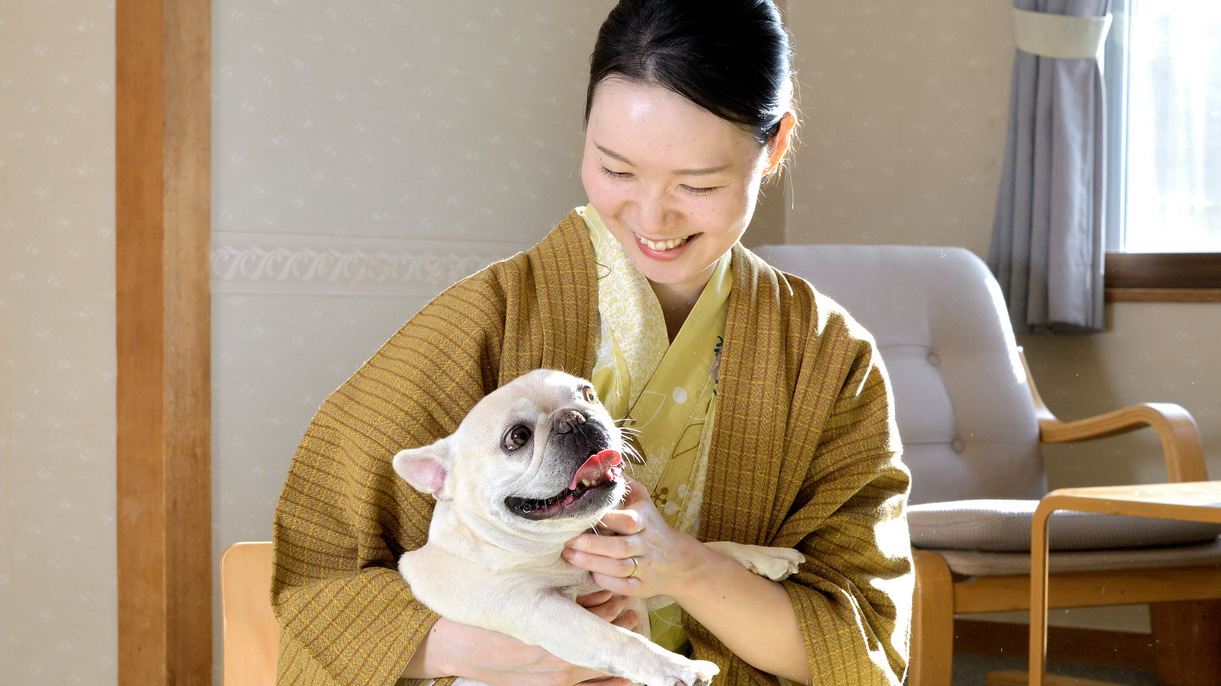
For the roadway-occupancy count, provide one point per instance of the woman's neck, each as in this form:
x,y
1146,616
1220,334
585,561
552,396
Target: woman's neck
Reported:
x,y
677,301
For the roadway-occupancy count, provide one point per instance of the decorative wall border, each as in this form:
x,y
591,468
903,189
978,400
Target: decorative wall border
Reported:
x,y
247,263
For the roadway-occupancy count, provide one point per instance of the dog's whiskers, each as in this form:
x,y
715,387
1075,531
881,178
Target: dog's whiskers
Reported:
x,y
631,454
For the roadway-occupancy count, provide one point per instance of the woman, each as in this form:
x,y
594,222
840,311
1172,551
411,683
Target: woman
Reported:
x,y
762,411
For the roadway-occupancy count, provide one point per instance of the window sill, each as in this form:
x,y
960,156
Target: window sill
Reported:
x,y
1163,277
1163,295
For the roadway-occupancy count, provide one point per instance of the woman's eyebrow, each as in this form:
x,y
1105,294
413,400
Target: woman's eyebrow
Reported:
x,y
702,171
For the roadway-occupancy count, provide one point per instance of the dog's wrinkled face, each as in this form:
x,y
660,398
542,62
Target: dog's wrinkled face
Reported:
x,y
539,451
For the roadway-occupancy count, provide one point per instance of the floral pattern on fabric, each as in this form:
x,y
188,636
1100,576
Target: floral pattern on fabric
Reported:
x,y
662,393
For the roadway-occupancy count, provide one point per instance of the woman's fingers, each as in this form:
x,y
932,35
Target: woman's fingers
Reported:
x,y
623,522
610,606
591,600
621,575
620,546
628,518
617,562
635,491
628,620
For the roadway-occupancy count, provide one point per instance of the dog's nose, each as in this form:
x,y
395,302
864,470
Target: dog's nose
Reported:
x,y
567,420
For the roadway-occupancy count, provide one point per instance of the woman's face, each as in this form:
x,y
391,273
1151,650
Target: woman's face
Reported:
x,y
674,183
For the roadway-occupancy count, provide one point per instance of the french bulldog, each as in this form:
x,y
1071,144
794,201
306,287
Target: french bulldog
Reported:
x,y
535,463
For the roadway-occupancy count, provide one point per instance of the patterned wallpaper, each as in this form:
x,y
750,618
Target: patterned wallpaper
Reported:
x,y
57,355
415,119
905,108
367,154
335,265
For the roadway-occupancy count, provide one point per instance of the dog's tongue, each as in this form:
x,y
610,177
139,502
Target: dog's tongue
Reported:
x,y
595,467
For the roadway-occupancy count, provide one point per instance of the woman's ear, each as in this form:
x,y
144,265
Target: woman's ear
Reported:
x,y
778,146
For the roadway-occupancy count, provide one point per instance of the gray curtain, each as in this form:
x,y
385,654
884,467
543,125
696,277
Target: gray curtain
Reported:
x,y
1047,237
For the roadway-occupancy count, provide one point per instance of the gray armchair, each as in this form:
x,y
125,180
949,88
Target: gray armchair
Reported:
x,y
971,423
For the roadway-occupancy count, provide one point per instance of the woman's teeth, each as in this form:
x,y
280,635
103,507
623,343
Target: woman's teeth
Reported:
x,y
663,246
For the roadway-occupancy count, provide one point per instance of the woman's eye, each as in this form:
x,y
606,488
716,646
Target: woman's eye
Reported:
x,y
699,191
590,396
517,437
615,174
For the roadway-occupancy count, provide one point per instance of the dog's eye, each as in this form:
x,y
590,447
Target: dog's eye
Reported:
x,y
517,437
590,396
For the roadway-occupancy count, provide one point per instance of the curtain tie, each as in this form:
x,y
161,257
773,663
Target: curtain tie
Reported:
x,y
1059,36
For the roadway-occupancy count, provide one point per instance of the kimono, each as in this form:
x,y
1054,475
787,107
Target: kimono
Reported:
x,y
804,453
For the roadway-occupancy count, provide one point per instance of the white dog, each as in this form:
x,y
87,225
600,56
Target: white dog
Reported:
x,y
534,464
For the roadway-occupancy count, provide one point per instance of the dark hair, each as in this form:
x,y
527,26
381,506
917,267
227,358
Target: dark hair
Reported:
x,y
731,57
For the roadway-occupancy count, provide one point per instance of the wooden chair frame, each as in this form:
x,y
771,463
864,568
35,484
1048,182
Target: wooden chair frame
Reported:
x,y
938,596
251,632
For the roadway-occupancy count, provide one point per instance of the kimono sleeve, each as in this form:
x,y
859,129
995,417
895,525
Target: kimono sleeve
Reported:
x,y
344,517
853,597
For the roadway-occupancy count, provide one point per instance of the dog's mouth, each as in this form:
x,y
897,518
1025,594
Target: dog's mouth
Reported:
x,y
597,475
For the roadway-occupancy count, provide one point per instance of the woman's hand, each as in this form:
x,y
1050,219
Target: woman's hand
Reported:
x,y
751,615
454,649
610,606
644,557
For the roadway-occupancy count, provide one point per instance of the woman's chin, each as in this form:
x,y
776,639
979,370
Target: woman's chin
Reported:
x,y
678,280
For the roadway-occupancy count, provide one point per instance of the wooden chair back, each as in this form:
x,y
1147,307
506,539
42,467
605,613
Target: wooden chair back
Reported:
x,y
251,632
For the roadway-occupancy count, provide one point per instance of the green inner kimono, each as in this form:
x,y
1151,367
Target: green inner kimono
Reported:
x,y
662,393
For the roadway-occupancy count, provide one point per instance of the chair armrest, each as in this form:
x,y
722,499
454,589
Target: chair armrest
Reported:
x,y
1175,426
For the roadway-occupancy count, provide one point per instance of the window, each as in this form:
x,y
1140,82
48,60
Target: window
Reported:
x,y
1163,80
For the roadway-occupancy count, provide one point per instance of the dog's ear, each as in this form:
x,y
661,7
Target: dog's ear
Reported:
x,y
426,469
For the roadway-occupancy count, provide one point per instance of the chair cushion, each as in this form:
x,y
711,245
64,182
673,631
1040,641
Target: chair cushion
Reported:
x,y
1004,526
970,563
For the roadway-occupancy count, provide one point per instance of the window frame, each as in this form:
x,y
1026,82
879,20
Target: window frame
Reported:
x,y
1142,277
1163,277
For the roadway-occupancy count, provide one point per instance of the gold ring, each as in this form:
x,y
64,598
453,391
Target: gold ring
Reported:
x,y
635,568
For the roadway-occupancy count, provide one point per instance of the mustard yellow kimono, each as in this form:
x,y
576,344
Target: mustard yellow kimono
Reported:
x,y
804,453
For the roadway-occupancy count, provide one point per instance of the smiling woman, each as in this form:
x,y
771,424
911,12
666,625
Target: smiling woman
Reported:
x,y
681,132
675,184
759,410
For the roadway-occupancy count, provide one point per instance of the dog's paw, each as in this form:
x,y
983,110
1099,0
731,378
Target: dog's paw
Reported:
x,y
703,673
771,562
680,671
776,563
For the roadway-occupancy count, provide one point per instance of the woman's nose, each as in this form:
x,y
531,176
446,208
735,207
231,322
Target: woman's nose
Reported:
x,y
653,213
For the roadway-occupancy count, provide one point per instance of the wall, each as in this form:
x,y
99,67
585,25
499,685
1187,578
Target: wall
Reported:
x,y
366,155
57,354
906,108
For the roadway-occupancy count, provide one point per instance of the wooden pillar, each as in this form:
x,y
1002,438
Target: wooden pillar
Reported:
x,y
163,308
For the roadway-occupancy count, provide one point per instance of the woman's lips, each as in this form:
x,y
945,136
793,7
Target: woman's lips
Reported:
x,y
663,250
663,246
